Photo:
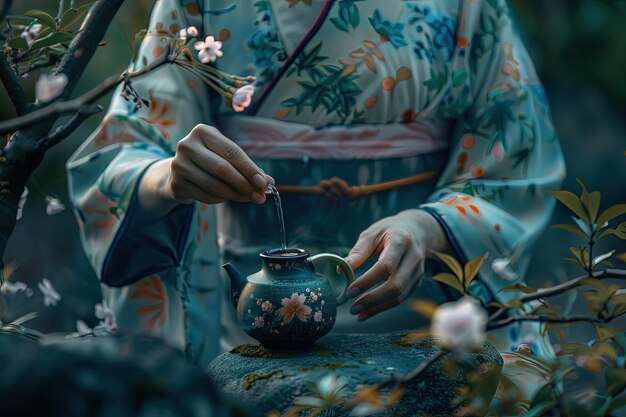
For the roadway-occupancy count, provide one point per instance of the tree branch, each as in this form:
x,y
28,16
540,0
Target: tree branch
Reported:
x,y
564,287
72,106
12,85
69,127
406,378
563,320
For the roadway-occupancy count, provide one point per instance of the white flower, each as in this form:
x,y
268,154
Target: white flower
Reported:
x,y
50,296
49,87
21,204
12,288
242,98
209,50
31,34
259,322
106,316
459,325
502,268
54,206
190,32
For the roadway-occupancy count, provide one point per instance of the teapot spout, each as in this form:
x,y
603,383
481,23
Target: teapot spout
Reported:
x,y
237,282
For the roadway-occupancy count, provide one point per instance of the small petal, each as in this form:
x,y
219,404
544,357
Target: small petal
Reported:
x,y
21,204
54,206
49,87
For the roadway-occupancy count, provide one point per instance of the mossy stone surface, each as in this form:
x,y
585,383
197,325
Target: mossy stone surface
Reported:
x,y
270,381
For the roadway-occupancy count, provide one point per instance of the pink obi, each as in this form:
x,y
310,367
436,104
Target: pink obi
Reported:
x,y
264,138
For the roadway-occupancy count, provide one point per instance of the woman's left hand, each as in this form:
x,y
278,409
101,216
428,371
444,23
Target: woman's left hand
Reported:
x,y
402,243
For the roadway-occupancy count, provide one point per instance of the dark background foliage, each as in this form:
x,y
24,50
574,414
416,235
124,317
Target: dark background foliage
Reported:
x,y
577,46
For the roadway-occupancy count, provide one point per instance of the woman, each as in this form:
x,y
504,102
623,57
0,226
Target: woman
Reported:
x,y
433,107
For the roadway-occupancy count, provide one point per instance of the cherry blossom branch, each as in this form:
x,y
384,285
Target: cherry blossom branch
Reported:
x,y
59,108
14,90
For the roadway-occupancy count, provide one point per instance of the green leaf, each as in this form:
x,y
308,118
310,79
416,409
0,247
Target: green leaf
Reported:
x,y
42,16
596,284
595,302
571,228
572,202
339,24
621,257
471,269
611,213
591,202
52,39
619,302
620,231
18,43
459,77
449,279
73,16
450,262
616,404
605,333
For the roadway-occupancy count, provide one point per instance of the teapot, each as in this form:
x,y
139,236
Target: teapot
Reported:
x,y
287,304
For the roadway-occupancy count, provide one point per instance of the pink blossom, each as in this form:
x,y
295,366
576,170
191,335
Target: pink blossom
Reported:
x,y
54,206
49,87
459,325
259,322
209,50
30,35
12,288
317,316
242,98
267,307
294,306
190,32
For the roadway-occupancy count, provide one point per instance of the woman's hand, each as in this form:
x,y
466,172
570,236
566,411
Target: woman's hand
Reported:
x,y
207,167
402,243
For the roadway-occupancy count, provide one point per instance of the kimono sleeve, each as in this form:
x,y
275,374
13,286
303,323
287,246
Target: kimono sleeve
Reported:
x,y
504,153
105,171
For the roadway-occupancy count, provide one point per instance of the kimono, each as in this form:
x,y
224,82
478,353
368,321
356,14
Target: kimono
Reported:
x,y
363,109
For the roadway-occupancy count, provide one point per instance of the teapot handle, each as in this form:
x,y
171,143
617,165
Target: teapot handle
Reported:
x,y
345,267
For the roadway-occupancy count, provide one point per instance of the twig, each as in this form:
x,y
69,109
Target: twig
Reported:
x,y
565,286
72,106
543,319
406,378
12,85
61,7
70,126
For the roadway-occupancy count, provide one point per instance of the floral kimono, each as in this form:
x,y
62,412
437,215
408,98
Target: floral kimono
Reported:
x,y
363,109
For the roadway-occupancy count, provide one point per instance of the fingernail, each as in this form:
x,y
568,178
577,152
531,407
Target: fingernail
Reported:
x,y
356,309
259,181
348,260
257,197
354,292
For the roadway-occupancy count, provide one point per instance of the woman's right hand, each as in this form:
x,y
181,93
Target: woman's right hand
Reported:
x,y
207,167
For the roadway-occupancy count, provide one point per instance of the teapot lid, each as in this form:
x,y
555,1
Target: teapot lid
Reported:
x,y
290,254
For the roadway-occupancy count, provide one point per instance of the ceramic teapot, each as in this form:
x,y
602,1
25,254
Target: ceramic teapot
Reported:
x,y
287,304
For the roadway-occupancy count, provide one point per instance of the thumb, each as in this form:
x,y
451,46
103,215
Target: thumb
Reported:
x,y
362,250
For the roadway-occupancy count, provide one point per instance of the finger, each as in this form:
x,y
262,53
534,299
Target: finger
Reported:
x,y
392,292
217,167
385,267
211,185
363,249
231,152
196,193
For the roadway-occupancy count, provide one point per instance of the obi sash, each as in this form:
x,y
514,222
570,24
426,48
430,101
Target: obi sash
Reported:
x,y
263,138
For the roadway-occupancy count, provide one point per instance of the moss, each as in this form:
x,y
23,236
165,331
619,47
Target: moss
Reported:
x,y
332,365
324,353
250,379
257,351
